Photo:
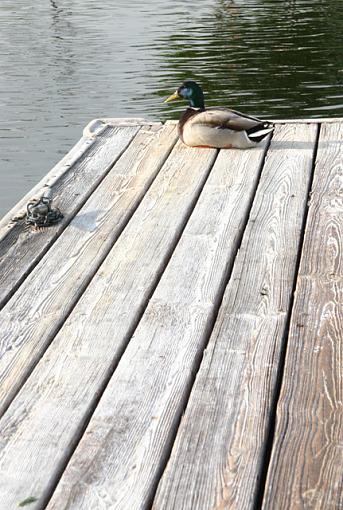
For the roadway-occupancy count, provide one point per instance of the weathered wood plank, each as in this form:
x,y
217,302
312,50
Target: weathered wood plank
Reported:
x,y
306,469
36,312
136,418
40,428
72,181
217,455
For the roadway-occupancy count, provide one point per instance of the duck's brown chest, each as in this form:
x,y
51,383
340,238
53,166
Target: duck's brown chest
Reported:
x,y
187,115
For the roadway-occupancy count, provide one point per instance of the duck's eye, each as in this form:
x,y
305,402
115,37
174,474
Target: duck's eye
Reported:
x,y
185,92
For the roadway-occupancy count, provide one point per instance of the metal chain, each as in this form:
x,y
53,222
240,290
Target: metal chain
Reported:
x,y
40,213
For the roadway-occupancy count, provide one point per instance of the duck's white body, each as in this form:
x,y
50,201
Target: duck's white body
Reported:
x,y
221,128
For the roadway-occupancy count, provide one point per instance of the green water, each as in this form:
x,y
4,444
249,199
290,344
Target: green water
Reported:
x,y
65,62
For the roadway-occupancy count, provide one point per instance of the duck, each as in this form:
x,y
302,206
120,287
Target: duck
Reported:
x,y
216,127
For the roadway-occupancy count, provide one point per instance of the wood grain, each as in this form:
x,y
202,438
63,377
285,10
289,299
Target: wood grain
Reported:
x,y
119,460
218,452
32,317
306,468
43,423
72,182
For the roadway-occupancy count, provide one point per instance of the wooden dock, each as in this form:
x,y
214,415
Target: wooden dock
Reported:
x,y
176,341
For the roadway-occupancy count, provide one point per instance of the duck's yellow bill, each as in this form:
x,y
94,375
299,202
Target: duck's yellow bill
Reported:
x,y
172,97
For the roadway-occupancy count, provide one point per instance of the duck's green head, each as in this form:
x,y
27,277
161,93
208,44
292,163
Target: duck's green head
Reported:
x,y
190,91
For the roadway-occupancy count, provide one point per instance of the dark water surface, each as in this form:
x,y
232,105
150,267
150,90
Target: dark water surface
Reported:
x,y
65,62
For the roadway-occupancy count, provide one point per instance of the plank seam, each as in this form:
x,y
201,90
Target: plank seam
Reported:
x,y
269,441
83,426
207,335
69,218
91,275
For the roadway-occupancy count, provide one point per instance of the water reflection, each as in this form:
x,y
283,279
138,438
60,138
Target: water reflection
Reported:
x,y
64,62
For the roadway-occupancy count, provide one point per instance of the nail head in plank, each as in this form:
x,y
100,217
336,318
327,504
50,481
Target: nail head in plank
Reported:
x,y
218,452
134,422
38,309
307,457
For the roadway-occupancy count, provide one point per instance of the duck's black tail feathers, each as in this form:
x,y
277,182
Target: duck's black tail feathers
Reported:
x,y
257,133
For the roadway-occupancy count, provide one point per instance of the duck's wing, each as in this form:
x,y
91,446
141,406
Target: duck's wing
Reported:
x,y
224,118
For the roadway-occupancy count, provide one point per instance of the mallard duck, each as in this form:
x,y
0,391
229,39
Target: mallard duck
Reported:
x,y
217,127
